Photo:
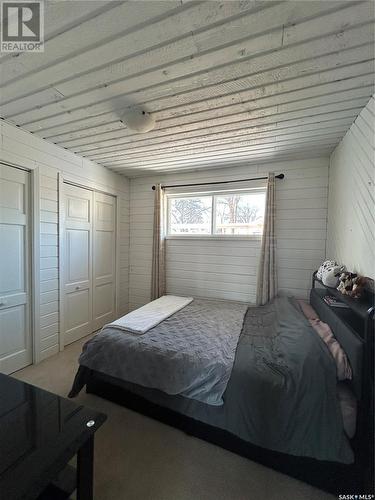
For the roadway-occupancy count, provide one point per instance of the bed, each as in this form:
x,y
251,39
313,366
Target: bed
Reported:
x,y
279,405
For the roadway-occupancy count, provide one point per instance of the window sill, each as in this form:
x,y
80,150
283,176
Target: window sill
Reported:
x,y
236,237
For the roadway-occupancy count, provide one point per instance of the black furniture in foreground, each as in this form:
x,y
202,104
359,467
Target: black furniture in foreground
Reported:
x,y
39,434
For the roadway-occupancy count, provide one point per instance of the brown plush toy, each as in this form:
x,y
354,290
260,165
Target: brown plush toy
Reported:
x,y
346,282
360,284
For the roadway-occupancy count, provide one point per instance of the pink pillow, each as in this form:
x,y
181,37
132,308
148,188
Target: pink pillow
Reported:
x,y
307,310
344,370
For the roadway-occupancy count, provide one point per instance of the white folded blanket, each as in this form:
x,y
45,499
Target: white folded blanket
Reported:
x,y
146,317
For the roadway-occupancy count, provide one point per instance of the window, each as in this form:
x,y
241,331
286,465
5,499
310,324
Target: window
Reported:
x,y
236,213
190,215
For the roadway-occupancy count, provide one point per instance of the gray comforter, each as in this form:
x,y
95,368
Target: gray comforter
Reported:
x,y
282,391
190,353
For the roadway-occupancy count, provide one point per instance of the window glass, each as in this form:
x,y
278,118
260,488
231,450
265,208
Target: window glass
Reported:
x,y
190,215
239,213
220,214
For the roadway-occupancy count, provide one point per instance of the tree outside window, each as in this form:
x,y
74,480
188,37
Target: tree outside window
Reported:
x,y
239,213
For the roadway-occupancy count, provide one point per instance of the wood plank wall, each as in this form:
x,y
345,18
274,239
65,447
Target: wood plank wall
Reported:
x,y
351,221
23,149
227,269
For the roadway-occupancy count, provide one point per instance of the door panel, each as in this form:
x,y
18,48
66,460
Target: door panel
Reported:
x,y
78,209
103,305
13,190
89,261
15,320
104,245
77,221
12,258
104,260
78,255
78,312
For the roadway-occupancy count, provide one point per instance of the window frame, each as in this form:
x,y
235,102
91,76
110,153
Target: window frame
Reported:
x,y
213,195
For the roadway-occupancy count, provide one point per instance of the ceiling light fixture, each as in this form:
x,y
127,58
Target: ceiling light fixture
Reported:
x,y
138,120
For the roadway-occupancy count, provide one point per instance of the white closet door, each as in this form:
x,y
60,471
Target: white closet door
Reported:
x,y
15,324
77,273
104,304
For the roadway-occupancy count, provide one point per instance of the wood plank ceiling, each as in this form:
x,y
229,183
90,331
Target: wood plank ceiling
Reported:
x,y
229,83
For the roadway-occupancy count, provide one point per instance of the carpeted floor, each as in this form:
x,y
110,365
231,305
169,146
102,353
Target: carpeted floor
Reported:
x,y
137,458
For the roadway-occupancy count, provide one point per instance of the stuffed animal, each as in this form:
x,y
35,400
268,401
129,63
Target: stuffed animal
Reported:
x,y
326,266
330,276
346,282
360,285
329,272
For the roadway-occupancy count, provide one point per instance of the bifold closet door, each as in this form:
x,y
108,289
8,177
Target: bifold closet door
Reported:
x,y
15,317
104,263
77,259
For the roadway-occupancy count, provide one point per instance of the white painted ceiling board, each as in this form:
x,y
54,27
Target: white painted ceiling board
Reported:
x,y
100,140
229,82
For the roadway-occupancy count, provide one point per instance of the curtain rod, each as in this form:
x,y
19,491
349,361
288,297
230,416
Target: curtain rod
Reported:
x,y
280,176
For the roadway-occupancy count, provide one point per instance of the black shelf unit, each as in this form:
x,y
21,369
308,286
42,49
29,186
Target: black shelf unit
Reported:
x,y
359,316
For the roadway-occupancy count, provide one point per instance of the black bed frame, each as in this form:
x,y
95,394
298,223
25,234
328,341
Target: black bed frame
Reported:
x,y
333,477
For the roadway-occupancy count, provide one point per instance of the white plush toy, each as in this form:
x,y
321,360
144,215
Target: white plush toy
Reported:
x,y
331,276
326,266
329,273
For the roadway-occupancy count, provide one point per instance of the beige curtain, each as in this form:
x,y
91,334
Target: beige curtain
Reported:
x,y
267,275
158,246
